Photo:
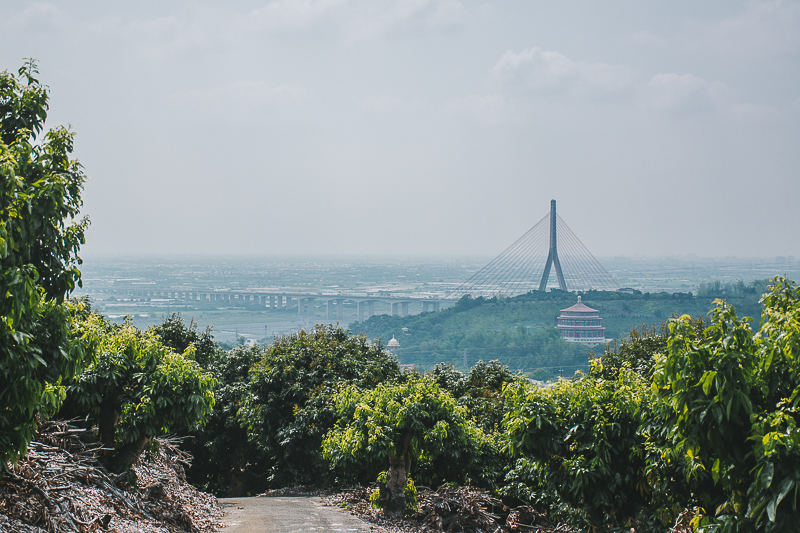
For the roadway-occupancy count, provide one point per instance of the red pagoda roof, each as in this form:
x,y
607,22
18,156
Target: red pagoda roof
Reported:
x,y
579,307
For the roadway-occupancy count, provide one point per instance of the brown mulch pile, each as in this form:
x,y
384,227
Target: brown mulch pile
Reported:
x,y
447,509
60,486
301,490
463,509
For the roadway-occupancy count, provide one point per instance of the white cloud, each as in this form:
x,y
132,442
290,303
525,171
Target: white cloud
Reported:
x,y
536,70
369,19
683,93
764,27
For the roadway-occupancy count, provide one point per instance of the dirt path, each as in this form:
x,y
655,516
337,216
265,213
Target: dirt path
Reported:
x,y
286,515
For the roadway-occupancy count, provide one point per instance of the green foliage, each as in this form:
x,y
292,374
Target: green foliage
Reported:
x,y
540,374
705,386
415,422
175,334
225,461
40,188
415,428
580,447
289,406
453,381
716,289
493,328
638,350
137,388
410,494
375,495
775,435
481,391
729,397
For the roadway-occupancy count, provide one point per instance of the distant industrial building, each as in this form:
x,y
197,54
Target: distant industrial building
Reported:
x,y
580,323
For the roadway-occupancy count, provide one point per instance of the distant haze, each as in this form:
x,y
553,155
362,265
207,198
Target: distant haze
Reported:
x,y
425,126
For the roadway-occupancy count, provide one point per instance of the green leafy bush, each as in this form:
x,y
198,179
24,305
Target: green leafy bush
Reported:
x,y
414,427
136,388
289,406
704,388
225,461
579,447
480,391
40,234
729,398
637,350
176,334
775,435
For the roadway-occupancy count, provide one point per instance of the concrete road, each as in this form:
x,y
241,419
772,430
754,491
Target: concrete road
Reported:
x,y
286,515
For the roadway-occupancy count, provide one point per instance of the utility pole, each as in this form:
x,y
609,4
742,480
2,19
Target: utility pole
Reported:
x,y
465,360
552,256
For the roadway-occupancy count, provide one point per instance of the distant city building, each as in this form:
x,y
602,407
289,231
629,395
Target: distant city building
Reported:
x,y
581,323
393,345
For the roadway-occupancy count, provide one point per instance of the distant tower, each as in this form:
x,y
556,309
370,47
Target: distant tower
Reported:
x,y
552,256
580,323
393,344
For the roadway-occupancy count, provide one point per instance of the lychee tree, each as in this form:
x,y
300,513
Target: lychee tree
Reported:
x,y
40,235
412,426
136,388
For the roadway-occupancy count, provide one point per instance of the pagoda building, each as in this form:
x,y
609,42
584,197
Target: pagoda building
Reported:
x,y
581,323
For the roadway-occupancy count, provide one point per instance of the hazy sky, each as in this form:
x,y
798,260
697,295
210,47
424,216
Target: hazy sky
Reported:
x,y
425,126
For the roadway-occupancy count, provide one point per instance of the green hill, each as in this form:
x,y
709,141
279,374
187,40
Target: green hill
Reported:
x,y
521,332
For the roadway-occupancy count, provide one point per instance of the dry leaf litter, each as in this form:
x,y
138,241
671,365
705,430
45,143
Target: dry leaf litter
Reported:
x,y
464,509
60,486
450,509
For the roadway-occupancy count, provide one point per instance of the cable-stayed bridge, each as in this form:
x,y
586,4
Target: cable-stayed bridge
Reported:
x,y
549,249
548,254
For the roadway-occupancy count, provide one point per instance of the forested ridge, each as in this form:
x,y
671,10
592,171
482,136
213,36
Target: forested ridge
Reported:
x,y
520,331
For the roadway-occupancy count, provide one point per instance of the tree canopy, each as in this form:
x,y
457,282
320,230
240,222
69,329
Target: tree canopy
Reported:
x,y
137,388
729,398
40,236
400,426
289,408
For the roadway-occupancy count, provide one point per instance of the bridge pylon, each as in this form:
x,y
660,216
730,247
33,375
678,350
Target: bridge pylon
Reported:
x,y
525,266
552,256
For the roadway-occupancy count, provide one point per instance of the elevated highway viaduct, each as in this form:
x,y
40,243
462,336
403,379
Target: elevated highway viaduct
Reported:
x,y
304,302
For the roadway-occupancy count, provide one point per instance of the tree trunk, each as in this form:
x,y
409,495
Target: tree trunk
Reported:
x,y
129,454
392,495
107,424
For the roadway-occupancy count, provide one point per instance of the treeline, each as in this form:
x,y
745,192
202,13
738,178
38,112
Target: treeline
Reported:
x,y
520,331
695,419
